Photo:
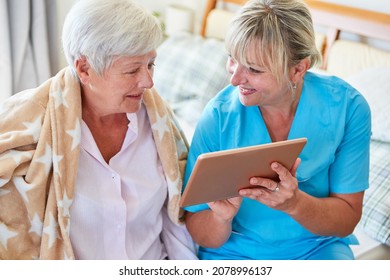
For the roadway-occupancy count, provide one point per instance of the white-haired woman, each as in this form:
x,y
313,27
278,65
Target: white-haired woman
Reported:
x,y
311,211
92,160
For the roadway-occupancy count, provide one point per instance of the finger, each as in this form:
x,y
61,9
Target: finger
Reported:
x,y
263,182
253,193
282,171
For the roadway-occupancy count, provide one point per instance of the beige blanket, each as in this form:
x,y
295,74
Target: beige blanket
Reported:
x,y
39,152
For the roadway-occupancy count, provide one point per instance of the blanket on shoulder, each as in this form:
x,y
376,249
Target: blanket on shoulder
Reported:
x,y
39,152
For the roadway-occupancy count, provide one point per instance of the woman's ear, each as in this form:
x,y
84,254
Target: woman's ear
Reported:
x,y
82,68
299,70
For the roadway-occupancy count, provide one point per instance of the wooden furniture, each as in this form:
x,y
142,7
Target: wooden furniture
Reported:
x,y
334,17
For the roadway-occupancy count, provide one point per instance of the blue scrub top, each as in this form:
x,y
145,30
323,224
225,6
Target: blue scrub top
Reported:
x,y
336,120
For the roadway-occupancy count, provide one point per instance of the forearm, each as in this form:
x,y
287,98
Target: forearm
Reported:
x,y
207,229
330,216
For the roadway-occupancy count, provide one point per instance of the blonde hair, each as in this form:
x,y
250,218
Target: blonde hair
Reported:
x,y
281,32
102,30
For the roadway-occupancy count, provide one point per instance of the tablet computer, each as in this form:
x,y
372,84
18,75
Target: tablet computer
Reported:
x,y
220,175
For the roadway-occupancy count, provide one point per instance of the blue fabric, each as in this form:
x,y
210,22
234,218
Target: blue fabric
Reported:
x,y
335,119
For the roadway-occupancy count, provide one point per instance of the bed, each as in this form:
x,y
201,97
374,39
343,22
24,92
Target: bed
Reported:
x,y
191,70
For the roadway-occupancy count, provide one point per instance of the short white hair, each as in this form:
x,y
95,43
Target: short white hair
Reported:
x,y
102,30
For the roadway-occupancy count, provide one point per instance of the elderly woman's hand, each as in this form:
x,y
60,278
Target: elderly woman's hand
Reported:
x,y
278,195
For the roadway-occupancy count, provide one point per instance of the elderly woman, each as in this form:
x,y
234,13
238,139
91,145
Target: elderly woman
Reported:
x,y
312,209
92,160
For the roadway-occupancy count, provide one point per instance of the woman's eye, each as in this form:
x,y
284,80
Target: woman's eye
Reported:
x,y
151,65
255,71
132,72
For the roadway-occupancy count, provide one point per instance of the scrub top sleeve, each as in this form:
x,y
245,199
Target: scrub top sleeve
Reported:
x,y
350,171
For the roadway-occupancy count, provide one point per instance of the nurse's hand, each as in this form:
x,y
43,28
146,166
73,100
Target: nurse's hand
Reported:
x,y
278,195
226,209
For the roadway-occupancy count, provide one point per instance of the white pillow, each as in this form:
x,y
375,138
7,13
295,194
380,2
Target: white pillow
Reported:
x,y
374,84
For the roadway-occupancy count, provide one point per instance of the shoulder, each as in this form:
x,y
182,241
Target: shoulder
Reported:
x,y
333,89
326,82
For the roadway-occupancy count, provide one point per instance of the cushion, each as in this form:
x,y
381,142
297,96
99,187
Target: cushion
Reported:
x,y
217,23
376,205
189,71
374,84
347,58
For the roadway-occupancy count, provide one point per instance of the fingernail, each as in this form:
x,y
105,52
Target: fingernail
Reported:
x,y
253,181
274,165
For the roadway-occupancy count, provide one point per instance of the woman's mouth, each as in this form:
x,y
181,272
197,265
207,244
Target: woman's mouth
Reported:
x,y
134,96
246,91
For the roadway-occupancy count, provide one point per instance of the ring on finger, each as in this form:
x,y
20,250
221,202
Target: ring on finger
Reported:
x,y
277,188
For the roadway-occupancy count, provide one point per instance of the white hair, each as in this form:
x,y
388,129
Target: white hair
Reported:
x,y
102,30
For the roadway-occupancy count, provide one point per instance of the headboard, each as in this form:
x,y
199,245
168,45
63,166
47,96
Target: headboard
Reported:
x,y
334,18
338,18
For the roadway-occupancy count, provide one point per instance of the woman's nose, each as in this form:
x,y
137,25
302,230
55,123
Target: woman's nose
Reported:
x,y
147,79
238,76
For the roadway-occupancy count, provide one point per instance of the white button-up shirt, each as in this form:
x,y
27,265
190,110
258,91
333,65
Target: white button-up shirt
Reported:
x,y
118,210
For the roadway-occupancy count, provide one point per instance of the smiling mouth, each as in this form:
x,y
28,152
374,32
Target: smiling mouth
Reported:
x,y
245,91
135,95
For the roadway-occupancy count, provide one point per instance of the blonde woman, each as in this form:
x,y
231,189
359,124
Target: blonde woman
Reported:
x,y
312,210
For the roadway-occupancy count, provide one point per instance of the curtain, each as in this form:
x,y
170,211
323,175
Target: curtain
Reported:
x,y
28,44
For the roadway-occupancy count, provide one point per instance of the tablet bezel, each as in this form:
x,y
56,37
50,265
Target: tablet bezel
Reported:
x,y
220,175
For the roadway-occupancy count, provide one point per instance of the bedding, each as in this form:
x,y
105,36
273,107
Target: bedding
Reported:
x,y
375,220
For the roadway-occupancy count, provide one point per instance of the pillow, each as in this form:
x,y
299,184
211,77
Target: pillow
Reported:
x,y
374,84
346,58
376,205
189,71
217,23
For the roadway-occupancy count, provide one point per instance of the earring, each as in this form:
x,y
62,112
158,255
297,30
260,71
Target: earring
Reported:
x,y
294,91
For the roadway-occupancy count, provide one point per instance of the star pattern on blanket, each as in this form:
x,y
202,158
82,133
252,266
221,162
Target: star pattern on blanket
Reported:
x,y
40,166
56,160
5,235
75,134
33,128
51,230
161,126
172,185
65,204
36,225
14,155
23,187
60,98
46,159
